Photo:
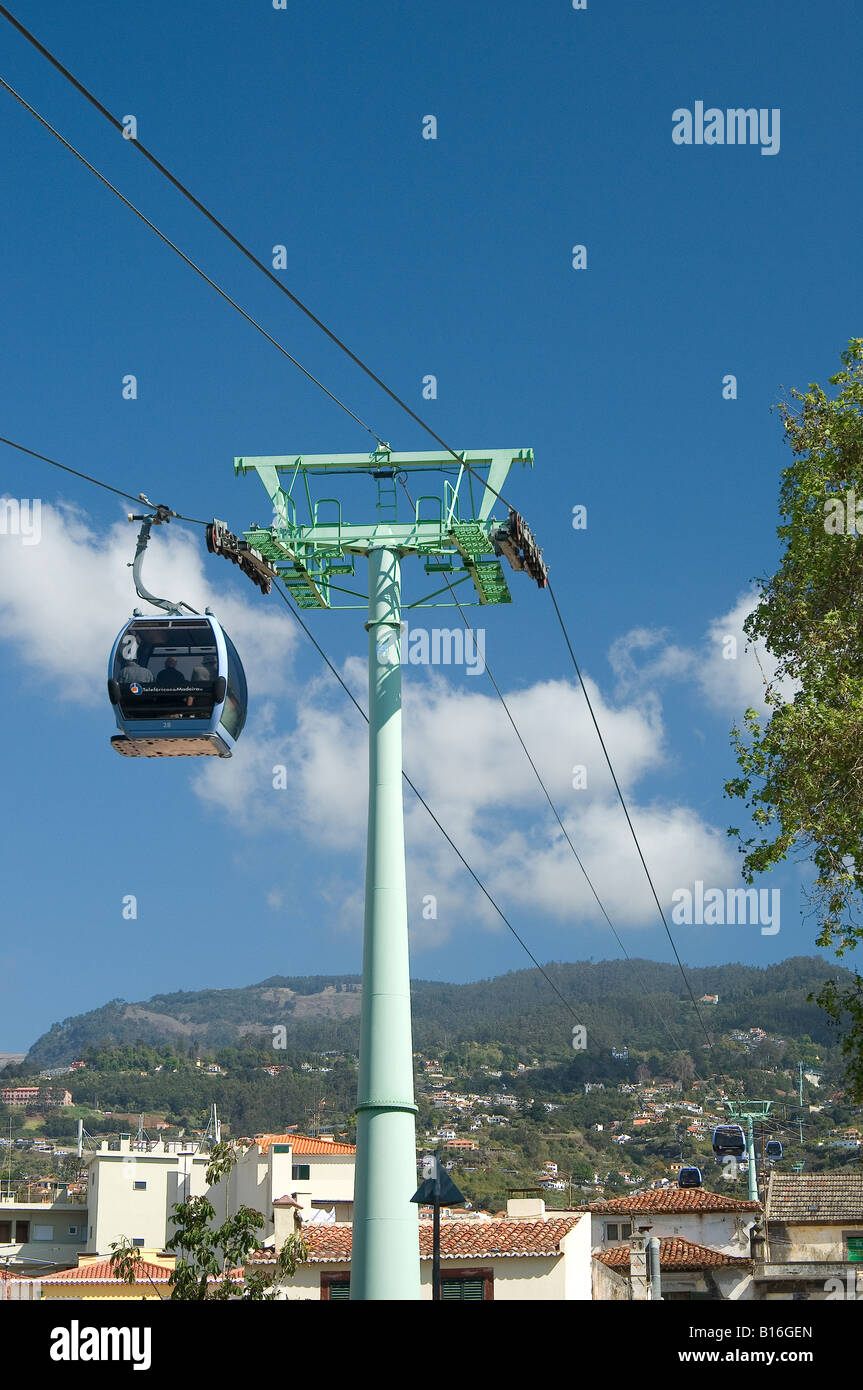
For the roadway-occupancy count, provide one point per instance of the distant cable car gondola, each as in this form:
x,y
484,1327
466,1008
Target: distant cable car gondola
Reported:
x,y
689,1177
175,680
774,1148
729,1141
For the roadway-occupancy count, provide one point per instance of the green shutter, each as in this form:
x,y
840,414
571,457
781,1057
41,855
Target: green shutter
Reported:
x,y
341,1290
855,1250
462,1290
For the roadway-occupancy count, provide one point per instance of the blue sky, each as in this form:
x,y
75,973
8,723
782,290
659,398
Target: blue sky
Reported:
x,y
449,257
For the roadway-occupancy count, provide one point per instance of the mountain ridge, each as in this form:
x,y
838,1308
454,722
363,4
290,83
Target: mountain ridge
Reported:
x,y
322,1011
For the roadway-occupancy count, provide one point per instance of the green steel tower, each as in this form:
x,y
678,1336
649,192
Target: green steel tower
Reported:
x,y
749,1110
314,550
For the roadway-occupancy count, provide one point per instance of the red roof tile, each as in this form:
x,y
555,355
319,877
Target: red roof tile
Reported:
x,y
674,1253
465,1239
671,1199
102,1272
300,1143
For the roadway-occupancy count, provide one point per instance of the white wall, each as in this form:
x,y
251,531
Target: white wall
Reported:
x,y
796,1240
577,1248
725,1231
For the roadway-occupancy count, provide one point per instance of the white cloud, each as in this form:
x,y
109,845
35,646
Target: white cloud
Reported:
x,y
669,662
731,684
730,671
461,753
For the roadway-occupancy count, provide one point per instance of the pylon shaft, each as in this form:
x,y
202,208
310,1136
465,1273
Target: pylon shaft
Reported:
x,y
751,1171
385,1258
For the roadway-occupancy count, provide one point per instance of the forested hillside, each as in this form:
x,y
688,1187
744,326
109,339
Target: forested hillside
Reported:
x,y
641,1004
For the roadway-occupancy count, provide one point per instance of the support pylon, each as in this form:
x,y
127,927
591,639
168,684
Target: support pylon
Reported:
x,y
316,562
385,1257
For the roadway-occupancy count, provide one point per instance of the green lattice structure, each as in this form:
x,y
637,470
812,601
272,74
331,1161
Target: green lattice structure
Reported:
x,y
314,546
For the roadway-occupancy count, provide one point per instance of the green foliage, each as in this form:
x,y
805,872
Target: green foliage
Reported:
x,y
802,767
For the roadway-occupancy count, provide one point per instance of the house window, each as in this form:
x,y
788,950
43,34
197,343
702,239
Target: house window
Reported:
x,y
22,1231
336,1286
854,1244
43,1232
462,1290
139,1187
300,1172
618,1230
137,1240
467,1286
72,1231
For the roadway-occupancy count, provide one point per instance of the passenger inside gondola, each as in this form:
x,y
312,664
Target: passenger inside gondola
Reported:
x,y
133,673
205,672
170,673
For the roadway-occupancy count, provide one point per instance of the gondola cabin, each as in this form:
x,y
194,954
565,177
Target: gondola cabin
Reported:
x,y
177,687
774,1148
689,1177
729,1141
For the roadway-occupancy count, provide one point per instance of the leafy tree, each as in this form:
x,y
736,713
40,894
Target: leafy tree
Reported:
x,y
801,764
209,1254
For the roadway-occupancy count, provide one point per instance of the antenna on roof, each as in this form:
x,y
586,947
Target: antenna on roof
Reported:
x,y
214,1125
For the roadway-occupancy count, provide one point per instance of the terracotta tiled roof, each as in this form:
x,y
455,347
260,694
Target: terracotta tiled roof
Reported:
x,y
674,1253
486,1238
815,1197
671,1199
458,1240
300,1143
102,1272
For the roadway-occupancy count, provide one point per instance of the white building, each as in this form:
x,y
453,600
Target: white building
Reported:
x,y
133,1184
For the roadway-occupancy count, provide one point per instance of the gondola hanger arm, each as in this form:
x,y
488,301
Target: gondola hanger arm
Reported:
x,y
160,514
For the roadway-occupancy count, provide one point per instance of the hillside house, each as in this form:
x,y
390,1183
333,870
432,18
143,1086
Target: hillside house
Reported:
x,y
704,1218
50,1096
810,1245
687,1271
523,1258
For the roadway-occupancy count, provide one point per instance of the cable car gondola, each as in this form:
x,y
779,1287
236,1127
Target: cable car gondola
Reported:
x,y
729,1140
178,688
175,680
774,1148
689,1177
